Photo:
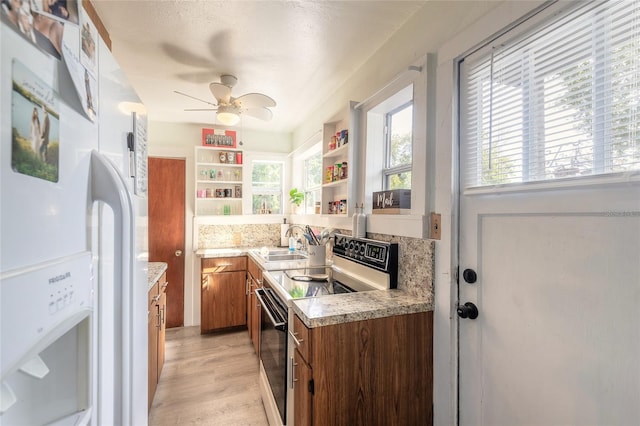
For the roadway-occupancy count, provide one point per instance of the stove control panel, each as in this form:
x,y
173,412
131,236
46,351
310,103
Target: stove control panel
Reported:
x,y
375,254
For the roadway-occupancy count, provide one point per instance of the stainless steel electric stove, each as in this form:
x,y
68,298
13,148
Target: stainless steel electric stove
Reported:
x,y
359,264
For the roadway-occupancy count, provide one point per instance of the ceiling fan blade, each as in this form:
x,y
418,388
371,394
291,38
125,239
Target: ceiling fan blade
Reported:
x,y
255,100
221,92
197,99
262,113
201,109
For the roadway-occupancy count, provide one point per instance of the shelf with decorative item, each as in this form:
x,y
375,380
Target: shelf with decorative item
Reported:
x,y
335,183
339,149
338,152
218,177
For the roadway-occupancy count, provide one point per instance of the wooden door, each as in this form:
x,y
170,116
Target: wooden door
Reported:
x,y
167,229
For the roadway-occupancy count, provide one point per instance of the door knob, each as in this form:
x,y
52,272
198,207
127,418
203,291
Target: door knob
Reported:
x,y
468,310
469,276
178,253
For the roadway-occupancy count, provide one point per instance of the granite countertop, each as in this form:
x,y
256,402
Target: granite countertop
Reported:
x,y
223,252
337,309
251,251
155,271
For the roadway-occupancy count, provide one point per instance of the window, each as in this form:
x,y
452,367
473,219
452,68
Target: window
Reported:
x,y
389,138
560,101
398,142
312,182
266,186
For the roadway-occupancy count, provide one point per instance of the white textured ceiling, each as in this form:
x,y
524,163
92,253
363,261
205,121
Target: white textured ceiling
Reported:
x,y
297,52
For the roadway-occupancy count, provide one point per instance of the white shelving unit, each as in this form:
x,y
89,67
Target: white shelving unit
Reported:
x,y
337,188
218,181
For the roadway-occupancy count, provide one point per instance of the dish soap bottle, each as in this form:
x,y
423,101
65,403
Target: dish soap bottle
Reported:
x,y
292,243
359,222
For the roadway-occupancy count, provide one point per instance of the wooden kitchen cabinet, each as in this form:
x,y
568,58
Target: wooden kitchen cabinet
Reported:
x,y
223,293
254,281
153,344
376,371
157,317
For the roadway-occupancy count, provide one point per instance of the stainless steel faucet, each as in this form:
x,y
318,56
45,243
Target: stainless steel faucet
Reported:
x,y
299,239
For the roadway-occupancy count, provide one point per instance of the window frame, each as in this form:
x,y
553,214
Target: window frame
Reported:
x,y
315,189
388,170
280,190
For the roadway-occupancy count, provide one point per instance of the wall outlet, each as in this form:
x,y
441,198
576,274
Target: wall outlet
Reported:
x,y
436,225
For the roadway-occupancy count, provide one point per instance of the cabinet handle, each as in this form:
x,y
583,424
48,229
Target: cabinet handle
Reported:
x,y
293,379
247,286
295,339
163,317
156,298
159,323
164,286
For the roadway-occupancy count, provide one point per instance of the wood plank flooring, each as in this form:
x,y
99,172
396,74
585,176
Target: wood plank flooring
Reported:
x,y
208,380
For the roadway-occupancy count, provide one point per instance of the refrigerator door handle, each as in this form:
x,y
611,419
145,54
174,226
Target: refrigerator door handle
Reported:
x,y
108,186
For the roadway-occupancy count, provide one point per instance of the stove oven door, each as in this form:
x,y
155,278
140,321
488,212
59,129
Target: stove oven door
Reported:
x,y
273,346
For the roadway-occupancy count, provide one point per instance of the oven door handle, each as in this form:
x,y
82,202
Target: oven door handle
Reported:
x,y
282,326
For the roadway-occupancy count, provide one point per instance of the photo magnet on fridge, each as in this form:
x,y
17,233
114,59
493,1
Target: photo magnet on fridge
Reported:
x,y
35,119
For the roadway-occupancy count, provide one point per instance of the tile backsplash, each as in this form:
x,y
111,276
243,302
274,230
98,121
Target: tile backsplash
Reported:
x,y
416,262
246,235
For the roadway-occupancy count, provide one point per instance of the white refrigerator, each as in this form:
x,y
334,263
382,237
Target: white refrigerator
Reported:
x,y
73,238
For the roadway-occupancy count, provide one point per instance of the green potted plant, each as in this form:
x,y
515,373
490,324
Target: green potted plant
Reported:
x,y
296,198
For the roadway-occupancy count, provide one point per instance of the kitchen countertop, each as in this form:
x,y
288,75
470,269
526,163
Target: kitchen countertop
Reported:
x,y
250,251
223,252
155,271
343,308
336,309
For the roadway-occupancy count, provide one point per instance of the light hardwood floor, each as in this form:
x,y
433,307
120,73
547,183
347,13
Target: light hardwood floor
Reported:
x,y
208,380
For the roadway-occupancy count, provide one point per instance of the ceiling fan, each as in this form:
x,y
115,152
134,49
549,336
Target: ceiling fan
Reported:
x,y
229,108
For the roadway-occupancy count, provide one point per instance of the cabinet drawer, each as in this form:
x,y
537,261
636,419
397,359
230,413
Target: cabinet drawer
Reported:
x,y
302,338
254,270
224,264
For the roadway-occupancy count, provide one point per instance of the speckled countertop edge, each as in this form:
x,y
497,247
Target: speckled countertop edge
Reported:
x,y
251,252
155,271
343,308
223,252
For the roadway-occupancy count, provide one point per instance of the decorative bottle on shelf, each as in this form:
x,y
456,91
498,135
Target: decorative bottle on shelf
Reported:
x,y
359,222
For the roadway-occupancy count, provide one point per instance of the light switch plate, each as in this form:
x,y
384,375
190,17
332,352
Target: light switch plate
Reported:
x,y
434,234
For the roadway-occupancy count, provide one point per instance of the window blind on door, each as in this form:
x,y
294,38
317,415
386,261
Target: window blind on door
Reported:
x,y
560,100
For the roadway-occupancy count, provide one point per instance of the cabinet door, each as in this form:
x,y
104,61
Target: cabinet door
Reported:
x,y
153,351
302,376
255,318
248,283
224,302
162,306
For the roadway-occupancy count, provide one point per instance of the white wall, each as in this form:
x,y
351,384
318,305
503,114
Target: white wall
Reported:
x,y
173,140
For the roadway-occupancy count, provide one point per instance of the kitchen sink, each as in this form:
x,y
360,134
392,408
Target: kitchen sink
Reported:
x,y
283,257
280,258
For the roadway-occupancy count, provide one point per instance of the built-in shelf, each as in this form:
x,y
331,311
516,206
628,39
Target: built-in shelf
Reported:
x,y
338,140
218,177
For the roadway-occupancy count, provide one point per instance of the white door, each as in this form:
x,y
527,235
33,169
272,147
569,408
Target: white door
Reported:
x,y
556,340
557,337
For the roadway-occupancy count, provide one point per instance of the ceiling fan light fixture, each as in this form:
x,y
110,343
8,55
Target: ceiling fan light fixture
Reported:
x,y
228,116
